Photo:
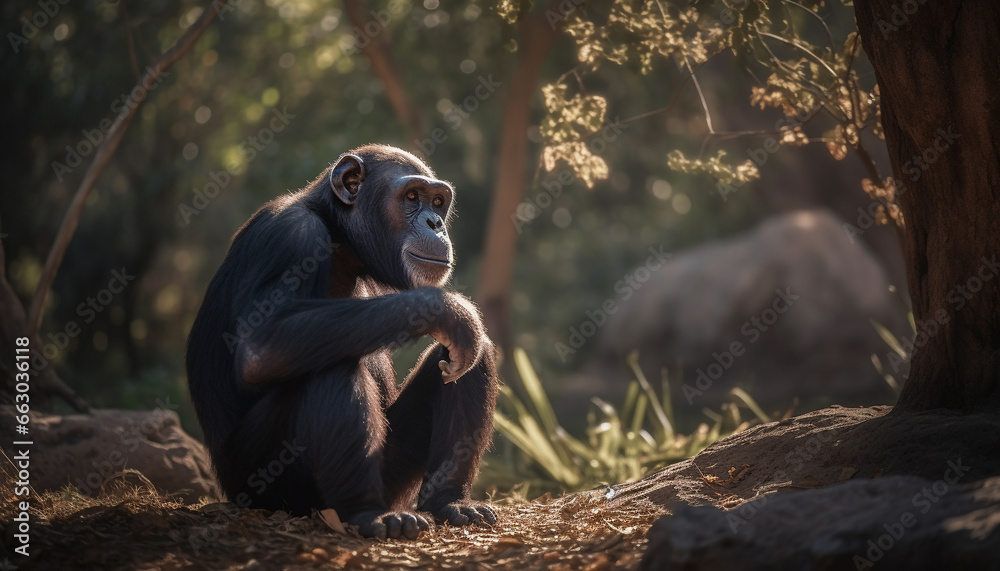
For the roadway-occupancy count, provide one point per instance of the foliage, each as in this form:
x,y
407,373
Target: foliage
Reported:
x,y
622,444
810,73
211,111
568,122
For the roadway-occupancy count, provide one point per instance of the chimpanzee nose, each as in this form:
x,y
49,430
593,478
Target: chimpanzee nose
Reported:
x,y
433,221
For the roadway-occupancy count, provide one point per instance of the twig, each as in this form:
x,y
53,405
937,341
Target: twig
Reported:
x,y
701,96
829,34
103,157
800,47
669,106
128,35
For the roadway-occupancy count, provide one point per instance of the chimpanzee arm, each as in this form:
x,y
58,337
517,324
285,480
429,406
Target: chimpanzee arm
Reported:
x,y
306,336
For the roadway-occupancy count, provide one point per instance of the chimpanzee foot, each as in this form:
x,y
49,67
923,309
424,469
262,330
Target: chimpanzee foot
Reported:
x,y
465,512
393,525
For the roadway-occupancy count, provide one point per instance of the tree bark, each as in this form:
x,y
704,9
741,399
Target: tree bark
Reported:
x,y
378,52
496,273
939,77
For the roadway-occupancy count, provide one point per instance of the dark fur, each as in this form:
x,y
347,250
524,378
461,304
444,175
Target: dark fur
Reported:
x,y
313,370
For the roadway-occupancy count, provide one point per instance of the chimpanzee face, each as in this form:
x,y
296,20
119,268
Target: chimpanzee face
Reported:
x,y
399,215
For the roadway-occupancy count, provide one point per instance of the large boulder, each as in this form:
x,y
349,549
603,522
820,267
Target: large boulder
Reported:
x,y
897,489
89,450
897,522
783,310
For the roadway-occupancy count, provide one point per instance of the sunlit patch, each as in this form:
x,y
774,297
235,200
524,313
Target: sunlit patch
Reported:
x,y
270,96
804,220
661,189
168,301
681,203
203,114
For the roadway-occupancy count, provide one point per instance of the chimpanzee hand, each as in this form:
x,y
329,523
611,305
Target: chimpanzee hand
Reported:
x,y
460,331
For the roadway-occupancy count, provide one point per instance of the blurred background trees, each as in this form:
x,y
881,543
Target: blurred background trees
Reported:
x,y
275,91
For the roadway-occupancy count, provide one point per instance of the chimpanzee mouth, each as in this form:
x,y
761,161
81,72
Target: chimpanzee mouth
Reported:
x,y
430,260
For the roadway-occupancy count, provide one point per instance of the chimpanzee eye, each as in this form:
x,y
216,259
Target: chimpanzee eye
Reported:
x,y
438,201
412,195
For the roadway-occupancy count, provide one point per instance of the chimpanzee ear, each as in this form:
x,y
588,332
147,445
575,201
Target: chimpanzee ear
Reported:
x,y
346,177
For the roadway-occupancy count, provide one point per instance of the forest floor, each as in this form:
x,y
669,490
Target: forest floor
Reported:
x,y
134,527
831,459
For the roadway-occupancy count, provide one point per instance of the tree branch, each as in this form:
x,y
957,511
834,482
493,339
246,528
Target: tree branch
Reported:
x,y
128,35
103,157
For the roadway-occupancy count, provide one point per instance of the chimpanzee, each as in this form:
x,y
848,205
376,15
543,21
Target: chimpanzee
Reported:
x,y
289,359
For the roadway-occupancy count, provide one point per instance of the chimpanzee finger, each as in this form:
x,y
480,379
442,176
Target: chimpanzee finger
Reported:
x,y
422,522
450,371
454,516
393,526
470,512
374,529
489,516
410,528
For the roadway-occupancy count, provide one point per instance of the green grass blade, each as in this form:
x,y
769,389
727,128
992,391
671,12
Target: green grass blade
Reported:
x,y
533,386
668,401
751,404
666,428
888,337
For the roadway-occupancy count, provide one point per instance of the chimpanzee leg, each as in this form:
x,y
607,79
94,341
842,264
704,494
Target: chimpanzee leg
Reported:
x,y
261,464
437,435
342,427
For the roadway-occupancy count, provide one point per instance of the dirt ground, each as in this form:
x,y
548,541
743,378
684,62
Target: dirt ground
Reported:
x,y
130,526
133,527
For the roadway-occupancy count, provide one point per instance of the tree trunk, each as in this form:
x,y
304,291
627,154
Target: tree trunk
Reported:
x,y
939,76
378,51
536,36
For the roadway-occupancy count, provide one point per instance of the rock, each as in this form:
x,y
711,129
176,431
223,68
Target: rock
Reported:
x,y
812,490
86,450
795,295
897,522
822,448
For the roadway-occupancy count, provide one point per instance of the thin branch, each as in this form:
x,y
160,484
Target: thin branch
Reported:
x,y
128,35
800,47
668,107
867,162
103,157
872,168
701,96
46,383
816,90
572,71
829,34
727,135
